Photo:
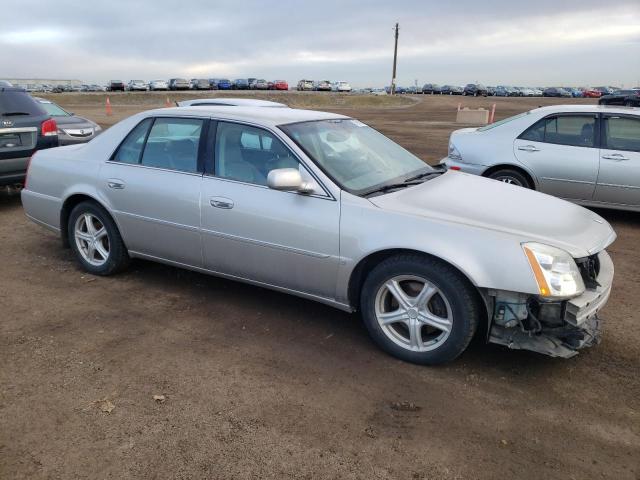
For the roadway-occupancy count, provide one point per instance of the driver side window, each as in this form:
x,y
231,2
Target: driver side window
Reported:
x,y
247,154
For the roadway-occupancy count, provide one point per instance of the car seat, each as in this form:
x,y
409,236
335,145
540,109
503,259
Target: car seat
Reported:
x,y
231,163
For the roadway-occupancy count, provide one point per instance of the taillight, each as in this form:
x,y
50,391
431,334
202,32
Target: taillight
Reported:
x,y
49,128
454,168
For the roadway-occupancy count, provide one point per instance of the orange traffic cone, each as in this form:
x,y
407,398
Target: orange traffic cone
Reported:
x,y
167,103
108,107
492,115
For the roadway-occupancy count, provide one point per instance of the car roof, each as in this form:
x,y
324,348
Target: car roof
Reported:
x,y
586,109
266,116
237,102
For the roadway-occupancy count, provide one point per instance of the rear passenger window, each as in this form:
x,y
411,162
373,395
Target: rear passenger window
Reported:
x,y
572,130
131,149
622,133
535,133
173,144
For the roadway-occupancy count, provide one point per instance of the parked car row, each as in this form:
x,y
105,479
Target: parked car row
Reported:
x,y
200,84
476,89
59,88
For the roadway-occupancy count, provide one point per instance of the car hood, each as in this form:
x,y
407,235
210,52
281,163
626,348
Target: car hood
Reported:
x,y
483,203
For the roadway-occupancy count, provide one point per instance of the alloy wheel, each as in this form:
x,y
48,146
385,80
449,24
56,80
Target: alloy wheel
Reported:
x,y
510,180
92,239
413,313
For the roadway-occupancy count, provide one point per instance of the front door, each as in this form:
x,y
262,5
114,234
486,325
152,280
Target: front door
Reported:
x,y
153,186
284,239
619,178
562,152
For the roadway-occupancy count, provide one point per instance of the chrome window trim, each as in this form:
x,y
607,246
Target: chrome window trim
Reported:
x,y
137,165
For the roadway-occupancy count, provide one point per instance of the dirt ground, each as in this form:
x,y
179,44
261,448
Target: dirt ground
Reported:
x,y
258,384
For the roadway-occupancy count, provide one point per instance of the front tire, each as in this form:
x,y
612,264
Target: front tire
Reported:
x,y
95,240
419,309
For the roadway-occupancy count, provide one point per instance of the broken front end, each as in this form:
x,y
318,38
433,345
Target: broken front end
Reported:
x,y
555,327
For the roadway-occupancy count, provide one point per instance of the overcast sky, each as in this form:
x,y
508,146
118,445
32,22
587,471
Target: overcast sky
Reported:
x,y
539,42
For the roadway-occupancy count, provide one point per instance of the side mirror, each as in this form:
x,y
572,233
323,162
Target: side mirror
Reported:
x,y
288,179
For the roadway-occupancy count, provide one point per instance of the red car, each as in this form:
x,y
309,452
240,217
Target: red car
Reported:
x,y
591,93
280,85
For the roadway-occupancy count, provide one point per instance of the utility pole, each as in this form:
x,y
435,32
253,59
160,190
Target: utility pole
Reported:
x,y
395,61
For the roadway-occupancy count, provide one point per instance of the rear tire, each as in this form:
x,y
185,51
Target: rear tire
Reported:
x,y
512,177
95,240
419,309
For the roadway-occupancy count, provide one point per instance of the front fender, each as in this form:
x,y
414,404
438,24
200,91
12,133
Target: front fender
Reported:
x,y
488,258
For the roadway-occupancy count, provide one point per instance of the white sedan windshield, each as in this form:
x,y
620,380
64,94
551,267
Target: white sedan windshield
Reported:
x,y
354,155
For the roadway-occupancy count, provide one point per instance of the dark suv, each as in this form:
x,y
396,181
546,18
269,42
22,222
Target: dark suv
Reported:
x,y
24,128
475,90
116,86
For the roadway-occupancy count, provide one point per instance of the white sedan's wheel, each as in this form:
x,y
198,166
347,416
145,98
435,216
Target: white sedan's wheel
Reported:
x,y
512,177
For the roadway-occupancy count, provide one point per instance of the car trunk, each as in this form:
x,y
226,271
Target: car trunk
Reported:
x,y
18,137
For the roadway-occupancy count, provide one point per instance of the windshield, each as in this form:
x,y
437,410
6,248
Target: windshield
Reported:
x,y
355,156
54,110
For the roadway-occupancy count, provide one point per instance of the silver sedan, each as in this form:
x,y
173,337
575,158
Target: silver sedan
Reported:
x,y
322,206
587,154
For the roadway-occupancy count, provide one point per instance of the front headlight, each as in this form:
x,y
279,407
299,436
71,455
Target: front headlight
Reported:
x,y
454,154
555,271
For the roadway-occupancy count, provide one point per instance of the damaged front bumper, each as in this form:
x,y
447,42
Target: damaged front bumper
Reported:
x,y
554,328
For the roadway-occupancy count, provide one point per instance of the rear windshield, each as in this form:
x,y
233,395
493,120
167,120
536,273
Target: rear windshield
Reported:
x,y
54,110
502,122
19,103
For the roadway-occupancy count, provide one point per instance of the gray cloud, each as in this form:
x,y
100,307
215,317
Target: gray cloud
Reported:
x,y
544,42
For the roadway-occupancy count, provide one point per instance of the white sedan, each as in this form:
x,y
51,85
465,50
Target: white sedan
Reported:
x,y
588,154
341,86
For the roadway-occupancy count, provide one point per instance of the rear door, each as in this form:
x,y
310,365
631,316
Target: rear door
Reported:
x,y
153,185
619,178
561,150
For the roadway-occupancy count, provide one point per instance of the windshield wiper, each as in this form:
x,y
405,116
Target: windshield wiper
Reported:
x,y
424,175
11,114
391,186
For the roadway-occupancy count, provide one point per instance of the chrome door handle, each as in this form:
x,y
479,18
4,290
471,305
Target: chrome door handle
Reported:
x,y
529,148
615,156
115,184
220,202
